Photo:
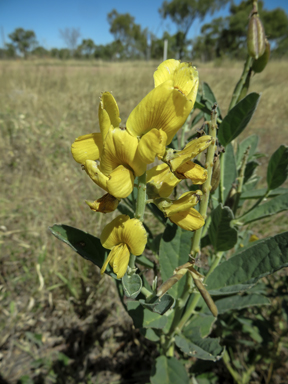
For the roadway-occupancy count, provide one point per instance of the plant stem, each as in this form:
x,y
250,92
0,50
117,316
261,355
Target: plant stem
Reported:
x,y
241,82
233,373
206,188
240,180
189,311
140,209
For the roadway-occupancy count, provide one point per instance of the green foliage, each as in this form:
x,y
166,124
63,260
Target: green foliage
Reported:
x,y
238,118
168,370
247,266
223,237
131,285
278,168
23,40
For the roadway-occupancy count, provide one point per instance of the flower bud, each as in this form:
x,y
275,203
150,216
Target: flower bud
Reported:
x,y
255,36
261,63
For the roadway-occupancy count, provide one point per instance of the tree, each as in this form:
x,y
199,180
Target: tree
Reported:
x,y
23,40
131,36
184,12
87,47
70,37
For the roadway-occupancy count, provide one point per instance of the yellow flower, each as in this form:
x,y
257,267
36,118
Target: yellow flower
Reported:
x,y
181,211
105,204
121,156
123,236
168,105
192,171
177,158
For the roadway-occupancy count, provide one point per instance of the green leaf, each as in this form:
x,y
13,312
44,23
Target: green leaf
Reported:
x,y
159,305
168,370
251,141
210,98
277,171
273,206
174,251
239,302
157,213
143,318
86,245
149,334
205,349
258,193
202,323
247,266
143,260
223,237
250,168
238,118
230,171
132,285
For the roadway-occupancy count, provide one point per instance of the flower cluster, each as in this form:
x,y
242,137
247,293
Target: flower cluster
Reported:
x,y
116,155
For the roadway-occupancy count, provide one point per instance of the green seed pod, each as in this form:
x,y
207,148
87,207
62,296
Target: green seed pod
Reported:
x,y
255,36
261,63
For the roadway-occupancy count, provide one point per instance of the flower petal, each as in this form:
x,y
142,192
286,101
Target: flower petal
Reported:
x,y
87,147
163,108
153,143
165,71
108,113
190,220
192,171
191,150
105,204
184,76
118,258
121,182
125,230
183,204
120,149
160,181
95,174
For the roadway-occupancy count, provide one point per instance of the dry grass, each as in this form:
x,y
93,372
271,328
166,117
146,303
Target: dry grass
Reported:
x,y
44,107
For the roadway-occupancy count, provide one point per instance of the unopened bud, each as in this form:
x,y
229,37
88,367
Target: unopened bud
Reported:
x,y
261,63
255,36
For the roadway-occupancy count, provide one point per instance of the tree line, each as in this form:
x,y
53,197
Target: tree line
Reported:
x,y
222,37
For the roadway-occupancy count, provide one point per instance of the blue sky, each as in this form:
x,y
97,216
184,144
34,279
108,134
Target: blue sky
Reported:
x,y
90,16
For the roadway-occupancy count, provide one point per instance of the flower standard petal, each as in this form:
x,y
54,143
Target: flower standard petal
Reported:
x,y
165,71
190,220
87,147
108,113
153,143
165,107
125,230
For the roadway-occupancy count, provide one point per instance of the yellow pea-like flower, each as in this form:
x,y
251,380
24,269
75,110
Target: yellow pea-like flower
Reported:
x,y
181,211
123,236
168,105
160,181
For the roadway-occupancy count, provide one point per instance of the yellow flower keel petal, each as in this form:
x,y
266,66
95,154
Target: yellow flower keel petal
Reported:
x,y
87,147
190,220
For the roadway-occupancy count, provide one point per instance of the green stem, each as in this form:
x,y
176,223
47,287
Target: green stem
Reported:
x,y
239,86
140,209
240,180
189,311
206,188
234,374
221,183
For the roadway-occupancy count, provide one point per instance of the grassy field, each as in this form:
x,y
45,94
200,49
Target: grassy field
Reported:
x,y
53,304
